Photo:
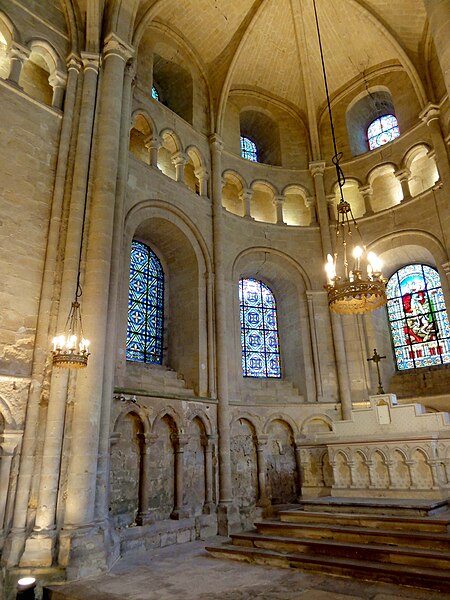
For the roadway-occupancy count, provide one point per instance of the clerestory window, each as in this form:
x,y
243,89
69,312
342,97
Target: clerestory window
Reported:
x,y
145,306
382,130
259,330
248,149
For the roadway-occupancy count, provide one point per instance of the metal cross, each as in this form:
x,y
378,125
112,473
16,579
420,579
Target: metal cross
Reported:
x,y
376,359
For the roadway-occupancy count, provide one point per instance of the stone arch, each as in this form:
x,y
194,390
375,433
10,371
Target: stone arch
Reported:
x,y
288,282
198,413
316,424
163,464
233,188
194,170
360,472
420,162
386,188
400,469
7,415
126,467
280,461
262,207
281,417
43,73
352,194
176,420
170,146
380,472
296,209
251,419
142,414
326,470
261,127
187,261
141,133
8,35
341,470
422,475
195,464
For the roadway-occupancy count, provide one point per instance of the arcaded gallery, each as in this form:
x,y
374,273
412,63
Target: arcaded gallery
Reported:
x,y
225,285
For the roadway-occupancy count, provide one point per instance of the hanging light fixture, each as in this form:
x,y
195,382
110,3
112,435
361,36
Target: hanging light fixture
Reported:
x,y
353,287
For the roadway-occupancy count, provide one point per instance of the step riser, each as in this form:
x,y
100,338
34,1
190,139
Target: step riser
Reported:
x,y
357,521
347,552
377,510
356,538
432,581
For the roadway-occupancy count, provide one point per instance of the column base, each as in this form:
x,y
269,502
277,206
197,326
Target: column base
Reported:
x,y
209,508
145,518
179,513
228,518
39,549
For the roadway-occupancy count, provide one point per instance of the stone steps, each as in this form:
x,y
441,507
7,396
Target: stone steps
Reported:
x,y
414,539
397,547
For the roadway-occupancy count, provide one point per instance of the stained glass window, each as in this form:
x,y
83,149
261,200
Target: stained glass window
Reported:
x,y
382,130
248,149
145,306
418,318
155,94
259,330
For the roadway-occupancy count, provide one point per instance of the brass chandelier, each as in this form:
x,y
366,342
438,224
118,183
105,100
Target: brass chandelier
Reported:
x,y
360,287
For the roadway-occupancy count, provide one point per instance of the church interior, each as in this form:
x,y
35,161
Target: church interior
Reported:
x,y
225,283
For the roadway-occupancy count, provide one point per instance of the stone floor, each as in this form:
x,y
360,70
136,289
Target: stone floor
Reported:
x,y
187,572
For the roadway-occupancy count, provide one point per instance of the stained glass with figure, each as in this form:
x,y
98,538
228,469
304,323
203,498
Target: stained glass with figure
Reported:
x,y
418,317
259,330
145,306
382,130
155,94
248,149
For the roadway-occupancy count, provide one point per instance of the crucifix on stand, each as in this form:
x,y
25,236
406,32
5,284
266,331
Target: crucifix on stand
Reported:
x,y
376,359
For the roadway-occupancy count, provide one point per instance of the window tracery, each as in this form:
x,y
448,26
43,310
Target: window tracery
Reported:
x,y
145,306
249,150
381,131
259,330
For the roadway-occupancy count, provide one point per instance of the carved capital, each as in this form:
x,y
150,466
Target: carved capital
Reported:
x,y
91,61
201,173
179,440
310,201
403,175
215,142
115,46
317,167
74,62
58,79
179,158
278,200
153,141
430,113
19,52
366,191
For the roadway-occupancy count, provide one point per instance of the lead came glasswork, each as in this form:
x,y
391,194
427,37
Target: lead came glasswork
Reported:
x,y
418,317
382,130
248,149
259,330
145,306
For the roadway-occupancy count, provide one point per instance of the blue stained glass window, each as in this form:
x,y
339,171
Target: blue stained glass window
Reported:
x,y
155,94
382,130
145,306
419,323
248,149
259,330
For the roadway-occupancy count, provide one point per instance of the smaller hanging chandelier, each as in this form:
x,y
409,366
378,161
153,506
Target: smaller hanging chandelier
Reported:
x,y
71,349
360,288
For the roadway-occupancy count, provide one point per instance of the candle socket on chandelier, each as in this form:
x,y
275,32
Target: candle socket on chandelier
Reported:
x,y
70,350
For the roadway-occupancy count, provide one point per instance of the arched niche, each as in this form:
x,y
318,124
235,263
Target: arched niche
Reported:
x,y
194,170
262,207
140,134
170,145
6,39
281,465
233,187
364,109
386,188
37,72
263,130
288,284
162,467
244,463
423,169
352,195
195,467
182,256
295,209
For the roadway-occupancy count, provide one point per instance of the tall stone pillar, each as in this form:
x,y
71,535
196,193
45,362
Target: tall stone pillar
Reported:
x,y
431,116
367,193
261,445
18,55
179,159
246,198
438,13
58,388
278,203
209,443
179,442
82,466
202,175
144,516
403,176
153,144
314,344
317,169
298,465
223,408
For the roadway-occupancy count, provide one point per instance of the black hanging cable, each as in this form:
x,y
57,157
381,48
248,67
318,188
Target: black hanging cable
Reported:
x,y
337,155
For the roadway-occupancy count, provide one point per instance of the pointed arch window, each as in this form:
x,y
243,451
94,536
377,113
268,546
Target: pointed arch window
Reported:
x,y
248,149
259,330
145,306
418,317
382,130
155,94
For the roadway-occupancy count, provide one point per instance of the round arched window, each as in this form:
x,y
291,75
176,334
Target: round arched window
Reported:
x,y
248,149
382,130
